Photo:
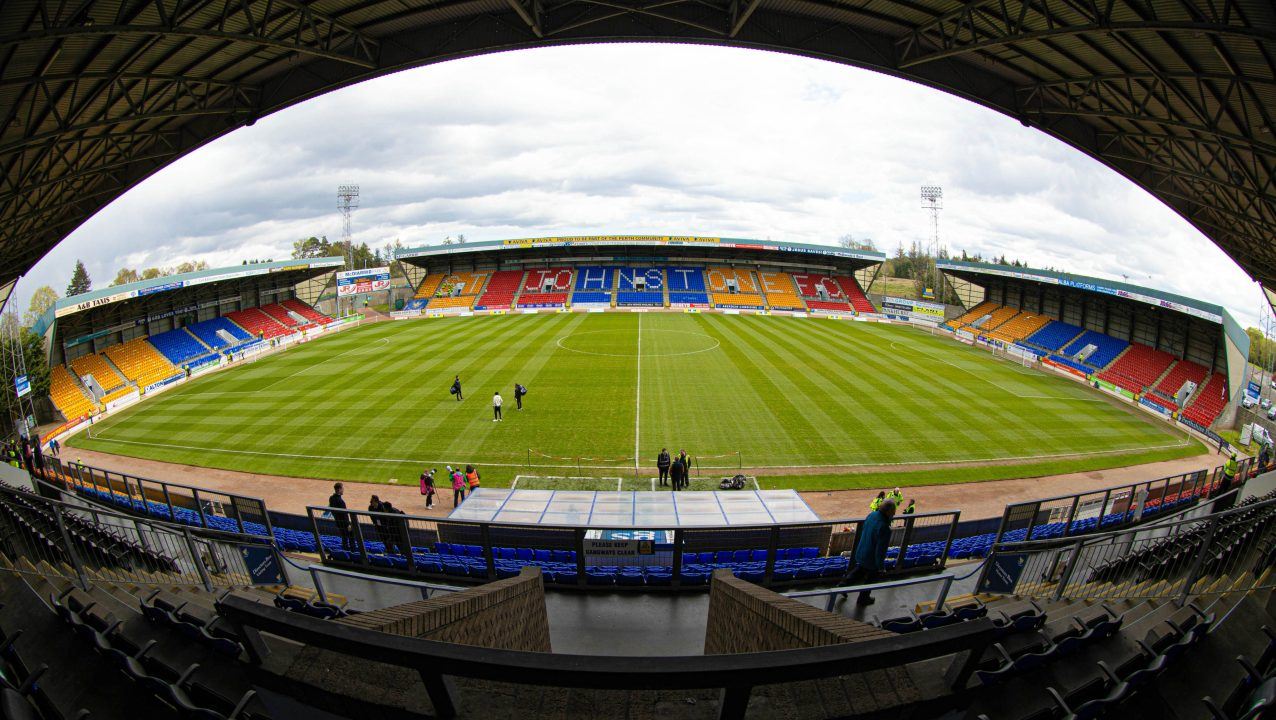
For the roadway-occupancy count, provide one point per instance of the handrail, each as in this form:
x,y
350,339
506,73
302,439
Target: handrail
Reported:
x,y
946,579
315,571
1089,538
735,673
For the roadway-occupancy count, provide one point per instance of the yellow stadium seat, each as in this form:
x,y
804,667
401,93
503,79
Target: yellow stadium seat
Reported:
x,y
94,365
1019,327
67,395
429,285
141,362
780,291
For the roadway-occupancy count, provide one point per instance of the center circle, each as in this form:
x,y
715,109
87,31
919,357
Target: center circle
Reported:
x,y
572,342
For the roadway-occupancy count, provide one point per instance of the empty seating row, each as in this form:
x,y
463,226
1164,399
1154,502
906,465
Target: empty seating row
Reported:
x,y
1106,349
306,311
1019,327
500,291
258,324
982,309
1184,371
780,291
66,394
93,364
179,346
219,333
822,292
1137,368
140,362
1209,402
1054,335
591,297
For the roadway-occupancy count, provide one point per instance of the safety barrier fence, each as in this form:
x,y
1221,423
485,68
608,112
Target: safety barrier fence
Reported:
x,y
1108,508
175,502
665,556
1171,558
734,675
81,543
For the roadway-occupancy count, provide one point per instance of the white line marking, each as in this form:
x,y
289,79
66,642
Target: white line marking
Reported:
x,y
715,346
638,393
515,483
1007,459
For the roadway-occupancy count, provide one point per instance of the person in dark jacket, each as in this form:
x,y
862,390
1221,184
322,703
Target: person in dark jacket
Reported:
x,y
662,464
341,519
686,469
519,392
393,530
870,549
456,388
676,472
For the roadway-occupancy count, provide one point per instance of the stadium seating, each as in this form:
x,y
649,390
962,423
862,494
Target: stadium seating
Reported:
x,y
1019,327
500,291
1107,348
307,312
996,319
640,287
141,362
855,294
686,286
179,346
1137,368
458,301
280,315
460,284
984,308
66,394
1209,402
207,331
93,364
594,285
546,288
721,280
781,293
429,285
1054,335
258,323
1183,371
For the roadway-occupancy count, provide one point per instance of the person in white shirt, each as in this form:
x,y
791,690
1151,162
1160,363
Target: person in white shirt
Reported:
x,y
496,407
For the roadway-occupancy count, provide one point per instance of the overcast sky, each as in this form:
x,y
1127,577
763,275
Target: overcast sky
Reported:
x,y
649,139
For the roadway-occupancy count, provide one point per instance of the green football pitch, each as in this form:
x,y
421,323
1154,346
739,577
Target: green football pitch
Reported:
x,y
809,403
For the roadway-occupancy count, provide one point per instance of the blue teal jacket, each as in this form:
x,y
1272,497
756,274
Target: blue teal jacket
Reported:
x,y
875,537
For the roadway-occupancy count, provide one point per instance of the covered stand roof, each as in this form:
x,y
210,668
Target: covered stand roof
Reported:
x,y
1177,95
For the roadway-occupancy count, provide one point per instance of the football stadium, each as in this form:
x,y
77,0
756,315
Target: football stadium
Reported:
x,y
675,476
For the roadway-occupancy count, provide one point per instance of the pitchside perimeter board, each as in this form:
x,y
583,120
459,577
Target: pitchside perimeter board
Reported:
x,y
636,509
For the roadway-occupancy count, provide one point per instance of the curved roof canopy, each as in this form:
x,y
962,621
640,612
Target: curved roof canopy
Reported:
x,y
1177,95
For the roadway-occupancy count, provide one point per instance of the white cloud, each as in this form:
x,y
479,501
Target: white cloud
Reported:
x,y
664,139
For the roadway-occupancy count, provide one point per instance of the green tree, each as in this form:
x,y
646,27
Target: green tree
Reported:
x,y
313,247
151,273
850,242
124,276
80,282
41,300
189,266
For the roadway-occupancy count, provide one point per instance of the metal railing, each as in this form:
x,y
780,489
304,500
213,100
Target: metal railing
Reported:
x,y
394,543
427,588
1114,507
175,502
736,675
83,543
945,581
1229,550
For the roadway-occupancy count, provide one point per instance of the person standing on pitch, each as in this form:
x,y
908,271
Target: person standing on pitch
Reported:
x,y
427,487
662,464
676,471
870,549
496,406
456,388
519,392
686,469
458,486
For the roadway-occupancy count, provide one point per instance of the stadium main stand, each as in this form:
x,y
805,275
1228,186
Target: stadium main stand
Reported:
x,y
1137,368
594,284
500,291
141,362
257,323
974,314
458,290
640,287
67,395
731,287
686,287
179,346
429,286
780,291
93,364
546,288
